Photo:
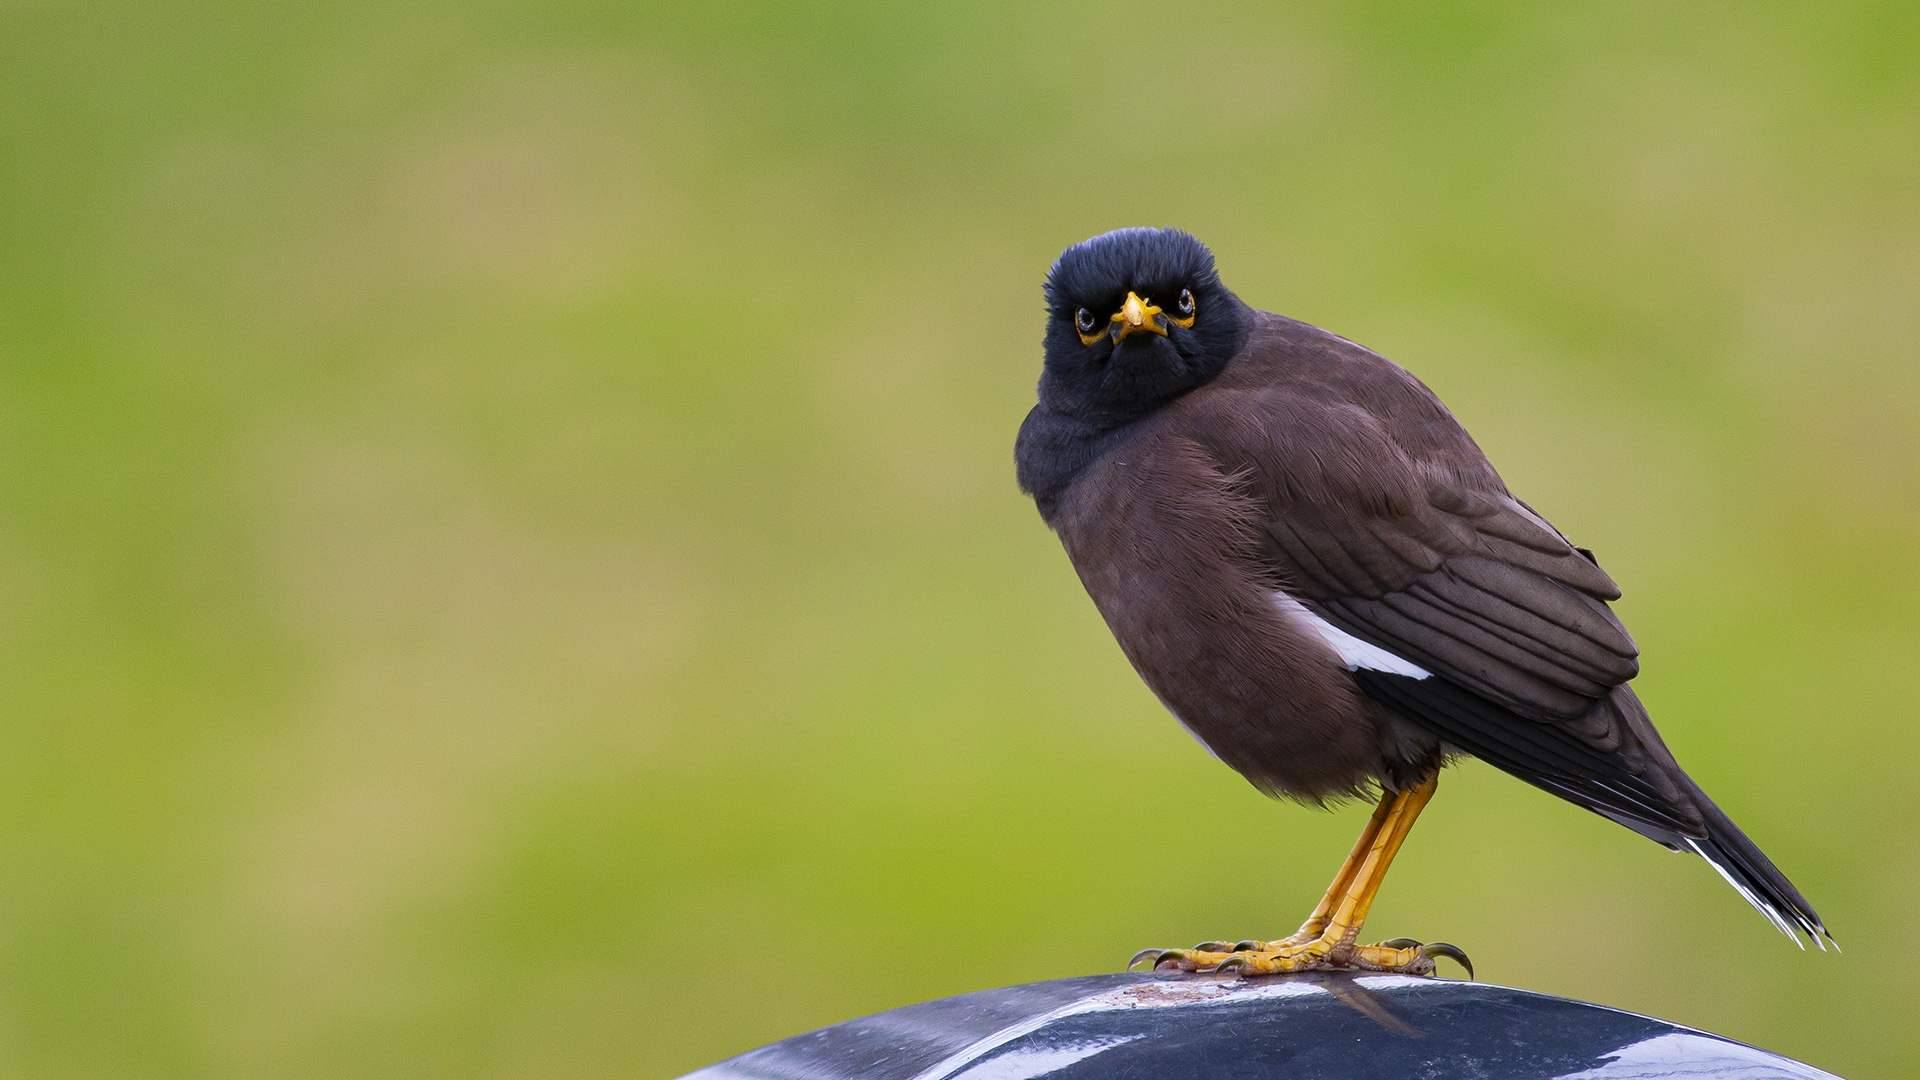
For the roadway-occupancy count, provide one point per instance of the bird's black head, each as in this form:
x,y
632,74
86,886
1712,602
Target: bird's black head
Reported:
x,y
1135,318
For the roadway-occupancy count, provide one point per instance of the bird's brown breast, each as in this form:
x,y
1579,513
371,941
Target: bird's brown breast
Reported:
x,y
1165,543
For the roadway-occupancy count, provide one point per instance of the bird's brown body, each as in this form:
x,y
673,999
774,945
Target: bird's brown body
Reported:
x,y
1180,533
1168,531
1316,570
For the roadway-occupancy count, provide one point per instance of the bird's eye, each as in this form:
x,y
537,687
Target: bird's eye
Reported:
x,y
1089,327
1184,306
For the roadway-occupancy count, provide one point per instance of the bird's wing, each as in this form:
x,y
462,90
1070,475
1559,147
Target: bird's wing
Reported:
x,y
1383,518
1470,585
1386,522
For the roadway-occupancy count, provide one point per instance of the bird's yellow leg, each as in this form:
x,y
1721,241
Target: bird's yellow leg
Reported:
x,y
1327,938
1209,954
1336,945
1342,881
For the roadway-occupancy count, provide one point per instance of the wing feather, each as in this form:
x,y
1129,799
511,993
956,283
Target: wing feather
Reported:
x,y
1469,584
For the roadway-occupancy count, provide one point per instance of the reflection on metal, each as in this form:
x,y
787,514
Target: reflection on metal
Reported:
x,y
1332,1025
1361,998
1139,996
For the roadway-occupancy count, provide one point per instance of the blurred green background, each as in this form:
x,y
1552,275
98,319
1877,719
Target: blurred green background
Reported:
x,y
510,564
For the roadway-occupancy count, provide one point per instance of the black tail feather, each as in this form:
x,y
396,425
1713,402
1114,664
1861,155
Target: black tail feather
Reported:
x,y
1742,863
1669,808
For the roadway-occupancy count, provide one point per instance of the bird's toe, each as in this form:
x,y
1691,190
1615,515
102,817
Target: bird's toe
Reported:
x,y
1198,958
1407,956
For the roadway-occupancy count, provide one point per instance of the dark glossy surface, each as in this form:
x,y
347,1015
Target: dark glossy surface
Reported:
x,y
1320,1025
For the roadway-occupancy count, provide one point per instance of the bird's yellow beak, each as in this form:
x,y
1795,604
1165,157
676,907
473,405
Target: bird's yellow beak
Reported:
x,y
1137,314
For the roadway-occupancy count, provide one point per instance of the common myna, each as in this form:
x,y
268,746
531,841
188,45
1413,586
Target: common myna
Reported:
x,y
1320,575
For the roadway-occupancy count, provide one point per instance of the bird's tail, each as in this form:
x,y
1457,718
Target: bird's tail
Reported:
x,y
1748,870
1728,850
1634,781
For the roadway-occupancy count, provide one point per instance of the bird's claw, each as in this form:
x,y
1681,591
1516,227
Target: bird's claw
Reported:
x,y
1203,957
1250,963
1433,949
1168,959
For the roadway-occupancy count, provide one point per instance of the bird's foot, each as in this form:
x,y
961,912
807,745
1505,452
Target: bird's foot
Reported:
x,y
1209,955
1403,956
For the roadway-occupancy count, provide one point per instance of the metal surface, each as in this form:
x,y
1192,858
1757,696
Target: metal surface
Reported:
x,y
1320,1025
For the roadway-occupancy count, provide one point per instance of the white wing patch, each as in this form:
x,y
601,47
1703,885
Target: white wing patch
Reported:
x,y
1354,653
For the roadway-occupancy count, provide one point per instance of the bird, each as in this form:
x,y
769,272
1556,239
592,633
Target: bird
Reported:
x,y
1318,572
